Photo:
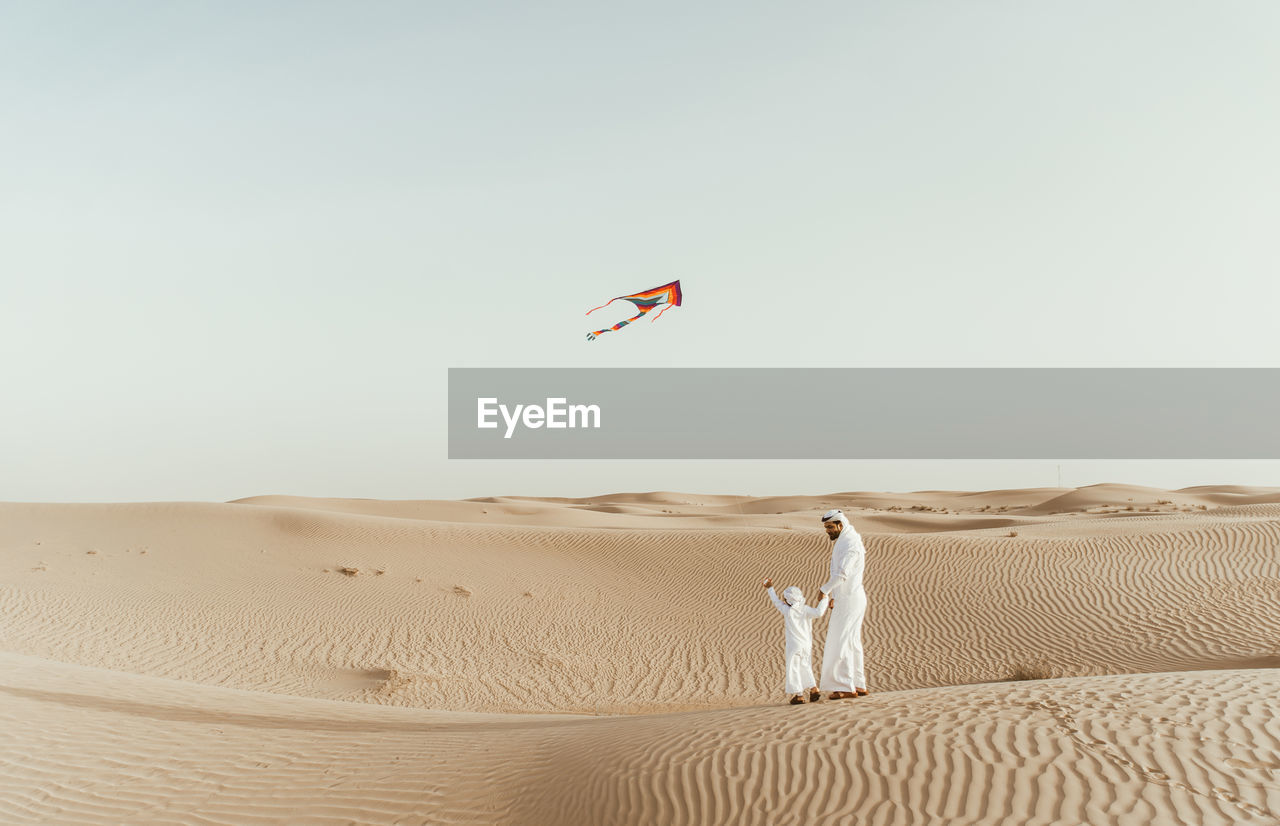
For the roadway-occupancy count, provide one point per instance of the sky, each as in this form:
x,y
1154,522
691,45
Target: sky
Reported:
x,y
241,243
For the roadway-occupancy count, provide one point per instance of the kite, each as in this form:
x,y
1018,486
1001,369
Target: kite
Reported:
x,y
668,294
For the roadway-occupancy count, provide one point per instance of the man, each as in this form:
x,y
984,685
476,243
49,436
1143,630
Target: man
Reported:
x,y
842,672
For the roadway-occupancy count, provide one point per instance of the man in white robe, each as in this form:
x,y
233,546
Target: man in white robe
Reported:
x,y
842,666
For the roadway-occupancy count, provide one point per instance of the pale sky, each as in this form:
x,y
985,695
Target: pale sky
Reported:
x,y
241,243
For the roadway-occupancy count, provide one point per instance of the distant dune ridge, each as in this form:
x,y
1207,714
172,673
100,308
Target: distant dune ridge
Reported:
x,y
1106,654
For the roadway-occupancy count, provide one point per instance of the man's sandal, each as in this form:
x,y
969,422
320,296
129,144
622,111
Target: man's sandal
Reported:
x,y
797,700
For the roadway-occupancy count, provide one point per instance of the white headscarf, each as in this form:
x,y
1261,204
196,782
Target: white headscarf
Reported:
x,y
794,596
836,515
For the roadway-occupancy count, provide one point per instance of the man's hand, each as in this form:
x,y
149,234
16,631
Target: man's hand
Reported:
x,y
767,582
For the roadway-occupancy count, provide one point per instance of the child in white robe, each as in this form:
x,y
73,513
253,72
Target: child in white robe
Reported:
x,y
798,621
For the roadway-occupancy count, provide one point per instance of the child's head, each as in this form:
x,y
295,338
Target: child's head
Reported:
x,y
793,596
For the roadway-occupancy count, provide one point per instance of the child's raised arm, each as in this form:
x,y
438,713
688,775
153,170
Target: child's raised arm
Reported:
x,y
773,596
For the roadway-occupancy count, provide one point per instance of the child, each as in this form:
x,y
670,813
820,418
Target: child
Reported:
x,y
799,652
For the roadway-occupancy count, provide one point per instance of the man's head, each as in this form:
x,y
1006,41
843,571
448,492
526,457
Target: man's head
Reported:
x,y
833,523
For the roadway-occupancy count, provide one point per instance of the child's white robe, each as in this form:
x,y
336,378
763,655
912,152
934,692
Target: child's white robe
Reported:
x,y
799,651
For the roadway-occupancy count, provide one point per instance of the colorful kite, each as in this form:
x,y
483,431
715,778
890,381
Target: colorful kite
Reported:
x,y
668,294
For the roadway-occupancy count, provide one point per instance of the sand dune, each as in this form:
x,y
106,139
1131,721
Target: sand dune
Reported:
x,y
613,659
104,746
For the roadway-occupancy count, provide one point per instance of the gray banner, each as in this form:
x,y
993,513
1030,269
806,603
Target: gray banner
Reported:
x,y
864,413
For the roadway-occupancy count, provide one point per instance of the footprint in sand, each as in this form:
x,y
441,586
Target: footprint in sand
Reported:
x,y
351,570
461,591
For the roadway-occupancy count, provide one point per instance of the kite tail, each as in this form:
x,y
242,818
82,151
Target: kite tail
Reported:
x,y
602,306
618,326
660,312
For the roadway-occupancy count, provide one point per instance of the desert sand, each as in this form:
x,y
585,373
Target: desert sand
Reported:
x,y
1107,654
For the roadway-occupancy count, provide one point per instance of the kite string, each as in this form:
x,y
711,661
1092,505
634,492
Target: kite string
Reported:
x,y
742,517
